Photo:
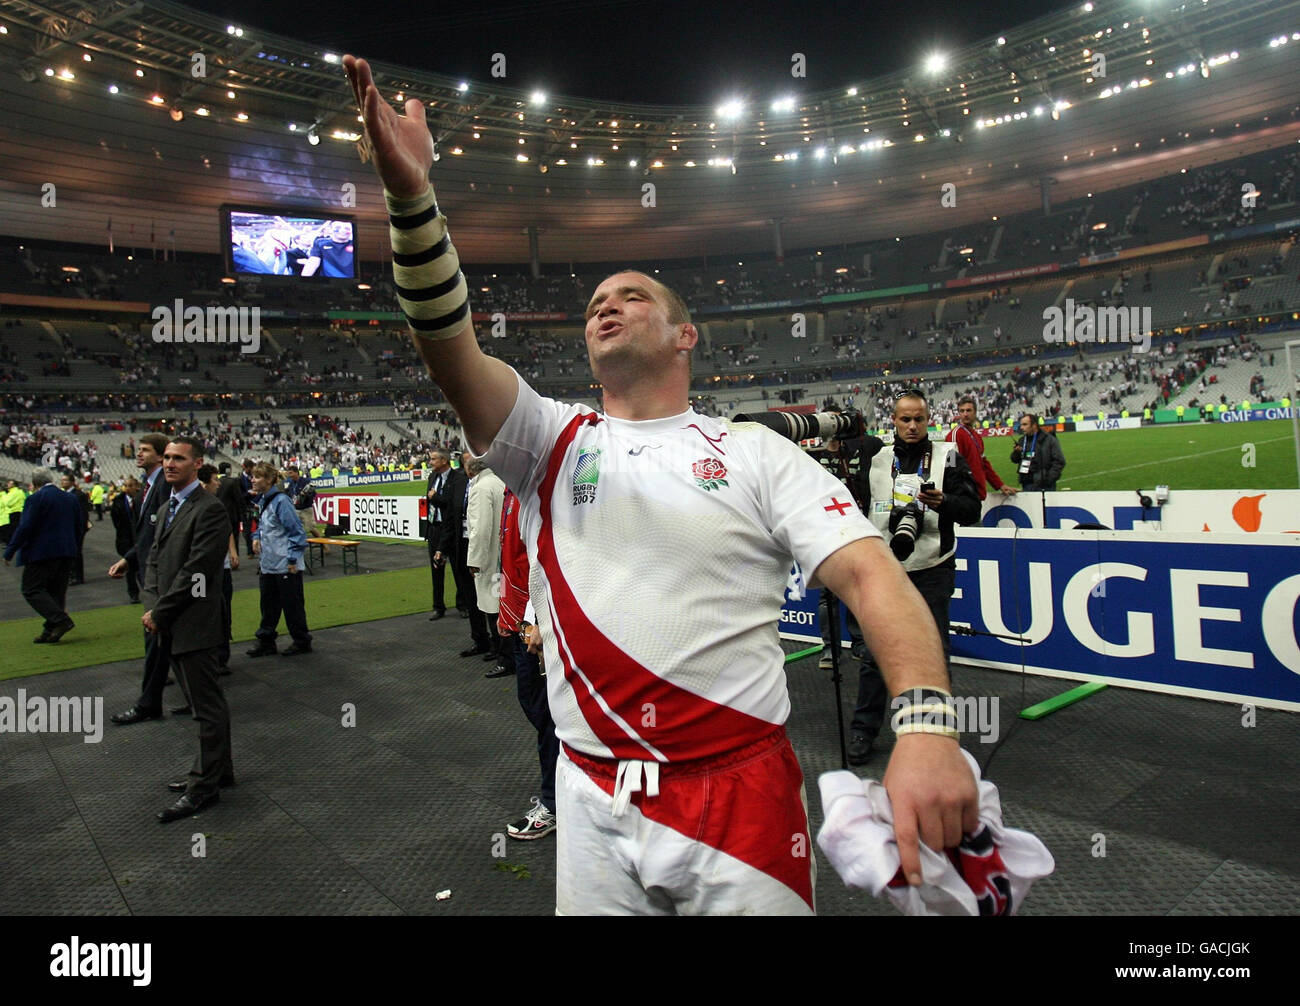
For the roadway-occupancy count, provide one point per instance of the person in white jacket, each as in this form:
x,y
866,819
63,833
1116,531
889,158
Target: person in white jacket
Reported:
x,y
486,497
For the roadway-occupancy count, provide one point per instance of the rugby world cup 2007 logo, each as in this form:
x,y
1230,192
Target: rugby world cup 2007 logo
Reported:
x,y
586,473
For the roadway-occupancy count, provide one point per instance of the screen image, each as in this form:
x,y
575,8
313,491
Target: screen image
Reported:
x,y
290,244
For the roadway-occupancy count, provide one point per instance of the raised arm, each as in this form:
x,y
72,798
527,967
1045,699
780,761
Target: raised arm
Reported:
x,y
426,270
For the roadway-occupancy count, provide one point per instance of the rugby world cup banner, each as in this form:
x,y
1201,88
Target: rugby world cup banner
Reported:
x,y
1164,612
1218,511
374,516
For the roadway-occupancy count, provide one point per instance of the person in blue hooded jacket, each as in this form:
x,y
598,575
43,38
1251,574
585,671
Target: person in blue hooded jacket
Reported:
x,y
279,543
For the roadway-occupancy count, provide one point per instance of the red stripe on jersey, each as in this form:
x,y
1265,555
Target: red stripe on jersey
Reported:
x,y
748,806
685,725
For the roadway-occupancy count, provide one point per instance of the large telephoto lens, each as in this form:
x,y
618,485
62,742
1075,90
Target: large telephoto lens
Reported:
x,y
799,426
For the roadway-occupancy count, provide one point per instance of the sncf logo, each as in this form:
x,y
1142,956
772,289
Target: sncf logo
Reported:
x,y
327,509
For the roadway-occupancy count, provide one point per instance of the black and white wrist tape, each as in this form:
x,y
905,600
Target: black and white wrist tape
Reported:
x,y
426,269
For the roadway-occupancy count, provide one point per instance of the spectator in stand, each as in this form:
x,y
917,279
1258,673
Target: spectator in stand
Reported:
x,y
971,446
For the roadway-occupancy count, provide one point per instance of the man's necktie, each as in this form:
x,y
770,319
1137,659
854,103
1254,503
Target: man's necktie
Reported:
x,y
172,505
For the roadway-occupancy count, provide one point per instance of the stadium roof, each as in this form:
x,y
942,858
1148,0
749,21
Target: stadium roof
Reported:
x,y
207,112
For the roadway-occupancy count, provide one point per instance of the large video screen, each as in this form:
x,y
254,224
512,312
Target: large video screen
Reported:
x,y
297,242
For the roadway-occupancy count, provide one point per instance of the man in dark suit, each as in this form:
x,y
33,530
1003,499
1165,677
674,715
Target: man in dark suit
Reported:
x,y
182,597
69,485
148,455
233,497
455,538
47,539
122,513
439,475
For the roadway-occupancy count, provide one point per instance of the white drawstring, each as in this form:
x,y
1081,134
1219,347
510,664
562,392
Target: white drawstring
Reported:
x,y
628,781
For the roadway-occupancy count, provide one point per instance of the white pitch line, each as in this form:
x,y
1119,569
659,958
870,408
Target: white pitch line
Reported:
x,y
1181,457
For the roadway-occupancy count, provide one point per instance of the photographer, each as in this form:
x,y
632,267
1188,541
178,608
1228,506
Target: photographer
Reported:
x,y
1038,455
298,488
915,493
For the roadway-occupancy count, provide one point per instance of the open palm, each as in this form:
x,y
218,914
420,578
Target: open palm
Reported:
x,y
402,146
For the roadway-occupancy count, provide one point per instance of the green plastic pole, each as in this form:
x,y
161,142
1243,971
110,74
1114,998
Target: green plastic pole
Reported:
x,y
1037,712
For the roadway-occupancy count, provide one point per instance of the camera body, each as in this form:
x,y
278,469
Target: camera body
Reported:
x,y
906,514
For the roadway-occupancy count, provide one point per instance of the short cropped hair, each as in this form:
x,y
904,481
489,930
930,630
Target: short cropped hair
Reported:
x,y
206,472
155,440
966,400
911,393
42,477
678,312
193,443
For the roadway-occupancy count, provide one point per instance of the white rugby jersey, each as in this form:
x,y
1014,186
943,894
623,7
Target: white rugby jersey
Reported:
x,y
659,554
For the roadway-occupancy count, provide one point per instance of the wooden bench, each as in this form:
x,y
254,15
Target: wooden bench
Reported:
x,y
347,549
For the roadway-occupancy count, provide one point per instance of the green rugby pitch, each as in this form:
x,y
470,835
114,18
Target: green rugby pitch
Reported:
x,y
1179,455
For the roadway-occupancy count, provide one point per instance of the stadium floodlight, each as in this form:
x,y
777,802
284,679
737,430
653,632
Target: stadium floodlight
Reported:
x,y
313,137
852,92
202,111
538,98
1001,40
176,112
462,87
731,109
330,57
819,153
783,105
113,89
936,62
